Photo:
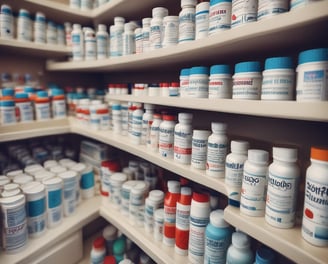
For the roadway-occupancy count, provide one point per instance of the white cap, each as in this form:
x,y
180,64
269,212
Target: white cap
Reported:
x,y
216,219
67,174
156,195
102,27
146,21
201,133
110,232
173,186
129,26
188,3
160,12
185,190
149,106
119,20
57,169
239,146
218,127
258,156
240,240
76,27
185,117
284,154
118,177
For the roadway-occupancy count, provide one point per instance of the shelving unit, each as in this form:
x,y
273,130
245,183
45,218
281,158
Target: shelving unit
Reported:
x,y
289,32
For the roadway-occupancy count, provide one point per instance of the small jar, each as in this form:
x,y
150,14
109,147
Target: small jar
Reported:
x,y
202,20
243,12
171,31
269,8
42,106
166,136
220,82
199,148
220,16
183,138
184,81
198,82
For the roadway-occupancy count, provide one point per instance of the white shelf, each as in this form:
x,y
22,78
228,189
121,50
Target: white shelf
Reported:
x,y
87,211
34,129
288,242
311,111
159,252
285,30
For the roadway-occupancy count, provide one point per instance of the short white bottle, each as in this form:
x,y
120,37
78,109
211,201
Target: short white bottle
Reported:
x,y
240,251
147,120
182,138
166,136
253,191
154,132
187,21
6,22
136,131
217,150
199,148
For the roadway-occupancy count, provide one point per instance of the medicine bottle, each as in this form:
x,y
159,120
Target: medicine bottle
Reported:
x,y
202,20
217,148
58,104
116,180
145,34
198,82
315,212
70,179
7,110
240,252
154,201
39,27
199,148
61,37
51,33
182,138
269,8
129,44
253,191
199,218
42,106
184,82
98,251
77,42
247,81
311,81
170,201
166,136
137,203
158,224
265,255
220,16
6,22
182,221
136,131
102,40
154,132
147,120
217,238
90,44
116,116
187,21
138,40
170,31
116,37
243,12
24,25
234,169
109,233
278,79
220,82
283,184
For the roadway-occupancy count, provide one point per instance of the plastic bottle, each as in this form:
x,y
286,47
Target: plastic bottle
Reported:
x,y
247,81
202,20
116,181
156,27
269,8
240,252
170,201
6,22
217,238
145,34
69,189
102,40
253,191
187,21
136,131
137,203
77,43
158,224
182,221
199,149
129,44
315,212
24,25
243,12
51,33
39,28
220,82
90,44
174,89
198,82
311,82
183,138
109,234
61,38
265,255
220,16
217,148
278,79
107,169
68,34
147,120
154,132
7,110
184,82
154,201
98,251
283,184
58,104
138,40
116,37
42,106
166,136
199,218
234,169
170,31
295,4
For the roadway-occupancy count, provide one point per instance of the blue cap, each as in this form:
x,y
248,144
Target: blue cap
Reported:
x,y
100,92
116,107
220,69
265,255
7,102
28,89
8,92
278,63
214,2
56,92
199,70
6,10
313,55
42,94
24,13
185,72
248,66
21,95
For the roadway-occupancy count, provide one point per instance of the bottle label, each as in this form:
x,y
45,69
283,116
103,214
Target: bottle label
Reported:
x,y
243,12
25,112
216,250
87,180
182,216
36,221
201,21
182,146
219,17
216,155
169,221
196,237
166,140
186,26
269,7
198,154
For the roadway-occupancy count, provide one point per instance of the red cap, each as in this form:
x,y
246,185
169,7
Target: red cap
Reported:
x,y
110,260
169,117
200,197
99,242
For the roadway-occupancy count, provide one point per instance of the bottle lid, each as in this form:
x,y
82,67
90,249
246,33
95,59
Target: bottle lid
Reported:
x,y
159,12
146,21
21,95
265,255
109,260
200,133
202,5
173,186
216,219
214,2
313,55
109,232
199,70
200,197
157,116
279,63
185,72
239,146
76,26
99,243
118,177
102,27
168,117
284,154
240,240
319,154
8,92
11,186
258,156
56,92
171,19
188,3
6,9
67,174
42,94
218,127
248,66
24,13
119,246
185,117
129,26
156,195
185,191
149,106
220,69
119,20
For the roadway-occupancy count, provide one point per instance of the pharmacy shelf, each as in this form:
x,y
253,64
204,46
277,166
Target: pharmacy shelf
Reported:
x,y
34,129
159,252
87,211
284,31
288,242
123,142
33,49
310,111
